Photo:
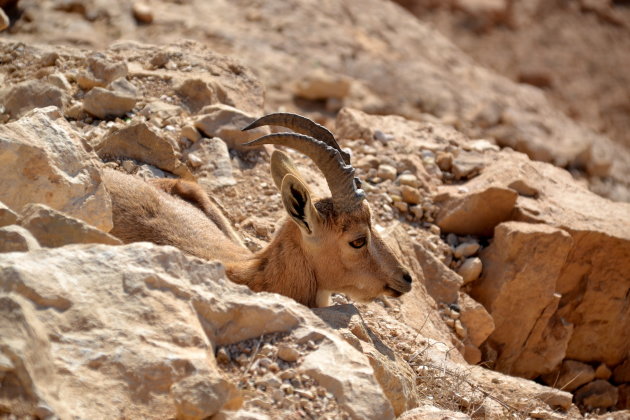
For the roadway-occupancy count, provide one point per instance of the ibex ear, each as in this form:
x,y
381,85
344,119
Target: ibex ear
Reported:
x,y
296,198
281,165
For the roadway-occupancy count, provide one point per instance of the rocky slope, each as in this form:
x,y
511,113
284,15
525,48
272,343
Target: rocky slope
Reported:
x,y
520,268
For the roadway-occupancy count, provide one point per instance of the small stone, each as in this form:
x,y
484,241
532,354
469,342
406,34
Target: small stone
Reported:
x,y
444,160
465,250
223,356
288,354
305,394
277,395
191,133
4,20
264,362
15,238
386,172
470,270
366,163
459,329
142,12
416,211
101,102
410,195
129,166
401,206
603,372
288,374
409,179
597,394
7,216
382,137
452,240
287,389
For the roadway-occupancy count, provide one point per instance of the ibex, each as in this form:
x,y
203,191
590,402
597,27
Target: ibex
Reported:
x,y
324,246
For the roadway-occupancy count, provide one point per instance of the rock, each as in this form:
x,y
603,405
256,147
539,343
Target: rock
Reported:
x,y
570,376
441,282
623,402
142,12
202,395
227,123
478,322
140,142
467,165
53,229
322,85
16,239
597,394
211,158
431,412
7,216
197,93
23,97
621,373
4,20
410,180
42,161
410,195
475,213
386,172
118,99
288,354
518,288
466,249
101,72
470,270
59,80
603,372
393,373
191,133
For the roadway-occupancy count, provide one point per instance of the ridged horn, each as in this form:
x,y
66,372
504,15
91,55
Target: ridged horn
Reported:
x,y
339,176
301,125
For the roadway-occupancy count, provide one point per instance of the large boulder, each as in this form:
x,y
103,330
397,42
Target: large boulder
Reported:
x,y
42,160
135,327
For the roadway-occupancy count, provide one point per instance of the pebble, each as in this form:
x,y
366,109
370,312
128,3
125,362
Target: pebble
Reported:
x,y
416,211
288,354
401,206
444,160
191,133
4,20
470,270
142,12
288,374
223,356
410,195
465,250
452,240
603,372
382,137
409,179
305,394
287,389
386,172
459,329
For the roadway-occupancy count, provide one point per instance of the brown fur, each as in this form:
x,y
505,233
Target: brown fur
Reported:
x,y
308,258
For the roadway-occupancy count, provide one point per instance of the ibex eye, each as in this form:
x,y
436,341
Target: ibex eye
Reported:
x,y
358,243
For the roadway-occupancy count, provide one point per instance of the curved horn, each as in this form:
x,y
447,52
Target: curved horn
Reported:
x,y
339,176
301,125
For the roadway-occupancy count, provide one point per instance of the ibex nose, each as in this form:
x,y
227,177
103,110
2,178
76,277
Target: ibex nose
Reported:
x,y
407,277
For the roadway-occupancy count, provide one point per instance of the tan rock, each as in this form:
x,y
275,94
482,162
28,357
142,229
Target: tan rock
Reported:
x,y
4,20
7,216
386,172
410,195
393,374
119,98
470,270
288,353
431,412
409,179
142,12
478,322
322,85
475,213
227,122
518,288
597,394
53,229
623,403
211,158
570,375
440,281
15,238
603,372
101,72
621,373
42,161
23,97
149,316
139,141
466,249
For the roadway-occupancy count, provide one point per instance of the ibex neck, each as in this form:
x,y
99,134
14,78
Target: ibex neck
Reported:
x,y
282,267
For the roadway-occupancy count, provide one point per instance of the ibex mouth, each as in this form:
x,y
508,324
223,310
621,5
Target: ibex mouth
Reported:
x,y
394,292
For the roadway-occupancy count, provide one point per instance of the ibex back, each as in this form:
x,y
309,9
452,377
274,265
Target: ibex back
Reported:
x,y
324,246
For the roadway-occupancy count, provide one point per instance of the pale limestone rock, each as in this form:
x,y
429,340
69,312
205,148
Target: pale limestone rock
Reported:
x,y
119,98
386,172
142,12
322,85
139,141
466,249
7,216
149,316
101,72
227,123
431,412
440,281
409,179
410,195
597,394
211,159
42,160
476,319
470,270
393,374
603,372
570,375
53,229
518,288
288,353
15,238
26,96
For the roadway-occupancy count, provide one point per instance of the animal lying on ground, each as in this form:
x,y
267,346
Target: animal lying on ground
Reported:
x,y
323,246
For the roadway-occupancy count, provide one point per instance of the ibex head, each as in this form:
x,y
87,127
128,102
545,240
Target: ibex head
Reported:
x,y
337,235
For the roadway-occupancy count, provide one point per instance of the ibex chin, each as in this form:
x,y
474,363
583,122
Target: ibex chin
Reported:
x,y
324,246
